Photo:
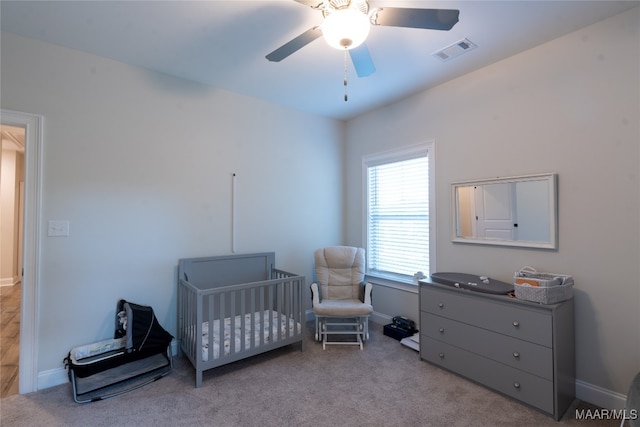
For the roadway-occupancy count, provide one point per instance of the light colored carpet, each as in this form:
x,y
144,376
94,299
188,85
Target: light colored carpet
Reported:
x,y
386,384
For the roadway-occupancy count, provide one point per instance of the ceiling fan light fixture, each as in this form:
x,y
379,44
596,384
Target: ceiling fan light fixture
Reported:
x,y
345,28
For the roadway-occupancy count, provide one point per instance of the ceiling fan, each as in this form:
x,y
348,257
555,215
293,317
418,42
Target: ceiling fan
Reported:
x,y
347,22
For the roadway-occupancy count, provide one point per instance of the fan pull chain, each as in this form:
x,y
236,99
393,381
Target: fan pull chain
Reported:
x,y
346,96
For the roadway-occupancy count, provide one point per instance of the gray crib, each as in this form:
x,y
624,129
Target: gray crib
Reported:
x,y
236,306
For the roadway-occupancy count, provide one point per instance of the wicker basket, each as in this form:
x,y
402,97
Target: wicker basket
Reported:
x,y
543,288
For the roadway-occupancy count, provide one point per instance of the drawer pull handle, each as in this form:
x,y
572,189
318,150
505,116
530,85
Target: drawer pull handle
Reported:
x,y
440,305
516,324
441,355
441,330
516,385
516,355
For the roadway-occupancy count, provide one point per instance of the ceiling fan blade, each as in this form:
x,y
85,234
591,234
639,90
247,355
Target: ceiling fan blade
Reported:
x,y
362,61
292,46
429,19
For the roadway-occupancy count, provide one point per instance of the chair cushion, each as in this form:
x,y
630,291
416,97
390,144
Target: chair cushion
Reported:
x,y
342,307
340,271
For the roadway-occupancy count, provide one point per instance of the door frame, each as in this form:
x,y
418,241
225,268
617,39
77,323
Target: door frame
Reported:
x,y
30,310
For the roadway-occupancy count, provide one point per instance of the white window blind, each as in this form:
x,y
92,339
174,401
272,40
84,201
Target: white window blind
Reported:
x,y
398,216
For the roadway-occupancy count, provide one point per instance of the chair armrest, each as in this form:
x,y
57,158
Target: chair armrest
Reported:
x,y
315,294
368,287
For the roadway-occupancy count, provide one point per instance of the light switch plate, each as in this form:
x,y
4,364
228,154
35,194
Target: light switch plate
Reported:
x,y
58,228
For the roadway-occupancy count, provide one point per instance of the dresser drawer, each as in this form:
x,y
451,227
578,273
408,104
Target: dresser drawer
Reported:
x,y
515,383
519,321
533,358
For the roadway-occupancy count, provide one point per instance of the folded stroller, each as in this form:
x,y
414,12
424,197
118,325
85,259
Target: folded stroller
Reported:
x,y
139,354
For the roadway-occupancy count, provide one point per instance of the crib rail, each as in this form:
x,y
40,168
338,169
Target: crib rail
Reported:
x,y
240,306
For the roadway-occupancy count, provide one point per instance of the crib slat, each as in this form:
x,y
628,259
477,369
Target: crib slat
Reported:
x,y
243,321
196,320
287,308
278,320
221,329
261,318
189,329
232,323
271,304
198,323
214,303
252,310
298,306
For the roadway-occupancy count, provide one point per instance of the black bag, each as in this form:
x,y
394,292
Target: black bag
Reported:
x,y
139,324
400,328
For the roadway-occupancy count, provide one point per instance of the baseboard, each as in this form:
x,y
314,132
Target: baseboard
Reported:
x,y
380,318
599,396
8,281
54,377
584,391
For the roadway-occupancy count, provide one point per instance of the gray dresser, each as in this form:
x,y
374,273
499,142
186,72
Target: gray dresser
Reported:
x,y
522,349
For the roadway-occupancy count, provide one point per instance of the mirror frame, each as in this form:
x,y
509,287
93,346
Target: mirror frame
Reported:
x,y
552,186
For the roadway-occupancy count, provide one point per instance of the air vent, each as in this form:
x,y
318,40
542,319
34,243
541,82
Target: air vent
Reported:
x,y
455,50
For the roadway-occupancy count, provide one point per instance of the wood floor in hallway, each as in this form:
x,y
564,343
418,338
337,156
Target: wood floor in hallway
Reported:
x,y
10,297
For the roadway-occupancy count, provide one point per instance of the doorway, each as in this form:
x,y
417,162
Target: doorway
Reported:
x,y
28,220
11,236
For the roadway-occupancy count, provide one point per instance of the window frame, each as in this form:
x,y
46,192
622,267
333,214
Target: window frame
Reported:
x,y
391,156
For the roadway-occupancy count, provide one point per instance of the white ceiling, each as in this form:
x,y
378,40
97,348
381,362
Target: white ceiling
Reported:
x,y
223,43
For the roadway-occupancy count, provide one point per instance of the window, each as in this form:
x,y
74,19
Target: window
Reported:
x,y
398,193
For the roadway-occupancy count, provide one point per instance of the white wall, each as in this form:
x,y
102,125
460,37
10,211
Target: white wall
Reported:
x,y
571,106
140,164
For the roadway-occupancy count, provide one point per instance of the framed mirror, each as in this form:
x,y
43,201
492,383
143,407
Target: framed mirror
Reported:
x,y
515,211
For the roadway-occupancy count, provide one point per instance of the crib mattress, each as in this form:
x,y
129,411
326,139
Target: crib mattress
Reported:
x,y
251,334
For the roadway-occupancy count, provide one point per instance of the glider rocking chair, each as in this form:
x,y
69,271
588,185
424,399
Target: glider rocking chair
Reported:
x,y
341,298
